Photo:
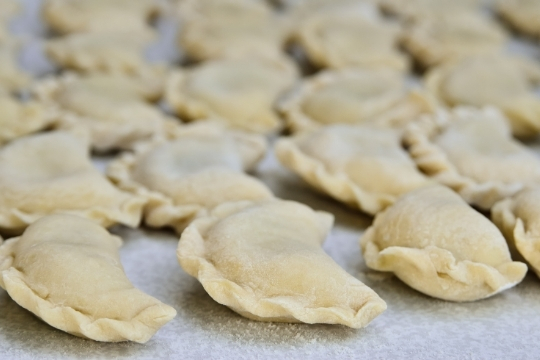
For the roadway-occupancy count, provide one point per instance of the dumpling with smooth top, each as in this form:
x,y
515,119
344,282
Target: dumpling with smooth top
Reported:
x,y
437,244
264,261
67,271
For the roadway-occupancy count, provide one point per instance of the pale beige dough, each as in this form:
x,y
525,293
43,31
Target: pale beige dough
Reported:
x,y
472,151
67,271
242,92
435,243
264,261
212,28
363,166
52,173
202,167
113,108
518,218
18,119
491,79
523,15
436,39
414,9
339,39
119,52
352,96
12,77
70,16
8,10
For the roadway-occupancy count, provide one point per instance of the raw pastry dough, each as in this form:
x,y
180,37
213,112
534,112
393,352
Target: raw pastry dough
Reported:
x,y
69,16
265,261
12,78
213,28
363,166
121,52
352,96
436,39
421,8
18,119
472,151
435,243
524,15
198,170
52,173
499,80
518,218
339,39
112,107
241,92
67,271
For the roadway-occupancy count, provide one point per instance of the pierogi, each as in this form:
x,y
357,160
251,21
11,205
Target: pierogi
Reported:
x,y
472,151
523,15
499,80
264,261
202,167
52,173
12,77
414,9
363,166
67,271
435,243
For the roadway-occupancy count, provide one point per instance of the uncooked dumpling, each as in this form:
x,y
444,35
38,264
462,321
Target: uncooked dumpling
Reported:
x,y
518,217
414,9
69,16
363,166
436,39
341,39
67,271
523,15
498,80
121,52
241,92
52,173
352,96
435,243
472,151
201,168
12,78
212,28
113,108
264,261
18,119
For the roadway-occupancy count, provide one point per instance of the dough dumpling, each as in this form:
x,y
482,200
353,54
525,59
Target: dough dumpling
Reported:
x,y
241,92
113,108
121,52
495,79
67,271
201,168
523,15
435,243
362,166
472,151
436,39
12,77
414,9
52,173
518,218
212,28
264,261
339,39
352,96
70,16
18,119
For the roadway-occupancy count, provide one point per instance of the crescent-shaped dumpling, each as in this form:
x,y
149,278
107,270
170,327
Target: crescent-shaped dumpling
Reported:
x,y
363,166
472,151
201,168
264,261
67,271
52,173
437,244
415,9
518,217
523,15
